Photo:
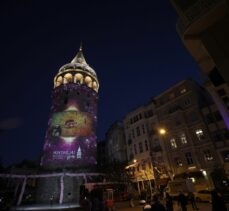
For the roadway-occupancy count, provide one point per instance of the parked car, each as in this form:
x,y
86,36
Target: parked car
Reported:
x,y
174,187
203,195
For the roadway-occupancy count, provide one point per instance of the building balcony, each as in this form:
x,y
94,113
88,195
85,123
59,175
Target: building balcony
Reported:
x,y
196,11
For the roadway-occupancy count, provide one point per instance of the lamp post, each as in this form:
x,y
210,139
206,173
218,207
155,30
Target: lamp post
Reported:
x,y
162,132
131,166
146,175
209,181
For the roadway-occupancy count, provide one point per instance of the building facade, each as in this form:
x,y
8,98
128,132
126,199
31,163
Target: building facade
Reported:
x,y
175,135
116,143
203,28
219,133
189,145
140,165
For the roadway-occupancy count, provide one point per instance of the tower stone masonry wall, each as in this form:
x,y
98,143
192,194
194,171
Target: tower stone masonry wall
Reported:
x,y
70,138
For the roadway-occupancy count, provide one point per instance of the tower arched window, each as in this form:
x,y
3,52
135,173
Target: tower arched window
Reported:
x,y
59,81
68,78
95,86
88,81
78,78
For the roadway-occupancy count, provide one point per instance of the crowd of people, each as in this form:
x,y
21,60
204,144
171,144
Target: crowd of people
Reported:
x,y
183,200
94,201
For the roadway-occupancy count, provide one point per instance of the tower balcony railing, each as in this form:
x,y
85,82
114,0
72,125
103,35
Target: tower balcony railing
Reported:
x,y
194,12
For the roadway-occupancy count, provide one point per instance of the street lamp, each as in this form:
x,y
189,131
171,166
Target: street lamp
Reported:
x,y
203,172
209,182
130,168
162,131
133,164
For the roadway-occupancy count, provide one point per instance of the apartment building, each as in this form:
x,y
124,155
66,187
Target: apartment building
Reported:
x,y
189,145
138,147
116,143
203,29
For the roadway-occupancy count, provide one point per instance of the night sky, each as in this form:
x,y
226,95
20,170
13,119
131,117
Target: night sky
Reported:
x,y
132,45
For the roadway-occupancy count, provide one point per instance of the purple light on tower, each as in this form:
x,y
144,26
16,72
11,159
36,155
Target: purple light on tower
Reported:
x,y
70,139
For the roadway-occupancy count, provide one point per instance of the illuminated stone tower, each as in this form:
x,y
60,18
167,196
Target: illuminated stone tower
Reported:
x,y
71,135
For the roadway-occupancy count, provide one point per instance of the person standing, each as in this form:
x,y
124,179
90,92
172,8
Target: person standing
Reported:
x,y
131,200
157,206
182,200
168,202
191,198
217,202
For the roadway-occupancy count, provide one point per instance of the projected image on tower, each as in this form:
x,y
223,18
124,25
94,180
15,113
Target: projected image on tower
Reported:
x,y
70,124
71,137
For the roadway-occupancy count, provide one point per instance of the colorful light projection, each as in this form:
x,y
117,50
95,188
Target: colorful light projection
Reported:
x,y
70,138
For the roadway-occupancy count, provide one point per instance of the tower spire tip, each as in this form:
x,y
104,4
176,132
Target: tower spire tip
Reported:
x,y
81,46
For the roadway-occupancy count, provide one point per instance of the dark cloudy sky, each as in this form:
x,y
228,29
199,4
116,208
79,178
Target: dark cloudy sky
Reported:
x,y
133,46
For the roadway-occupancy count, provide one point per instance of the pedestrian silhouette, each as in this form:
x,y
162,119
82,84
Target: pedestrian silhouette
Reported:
x,y
182,200
156,205
217,202
168,202
191,198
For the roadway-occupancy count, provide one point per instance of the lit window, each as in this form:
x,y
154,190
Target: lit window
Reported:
x,y
189,159
208,155
78,78
183,139
68,78
200,134
178,162
173,143
59,81
182,91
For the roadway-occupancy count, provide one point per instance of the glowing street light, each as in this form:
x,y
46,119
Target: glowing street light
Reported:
x,y
162,131
132,164
204,172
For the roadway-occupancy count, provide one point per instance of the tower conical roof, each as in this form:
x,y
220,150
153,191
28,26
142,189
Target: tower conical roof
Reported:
x,y
79,58
79,61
